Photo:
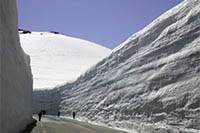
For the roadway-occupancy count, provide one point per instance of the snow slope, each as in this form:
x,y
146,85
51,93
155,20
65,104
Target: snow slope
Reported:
x,y
15,74
57,59
153,77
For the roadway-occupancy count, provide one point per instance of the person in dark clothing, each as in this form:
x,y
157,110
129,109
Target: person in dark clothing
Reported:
x,y
74,115
43,112
40,115
58,113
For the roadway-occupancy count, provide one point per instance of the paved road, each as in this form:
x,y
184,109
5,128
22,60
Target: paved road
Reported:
x,y
51,124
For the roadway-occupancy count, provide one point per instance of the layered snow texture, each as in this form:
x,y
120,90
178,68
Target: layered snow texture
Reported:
x,y
152,77
57,59
15,74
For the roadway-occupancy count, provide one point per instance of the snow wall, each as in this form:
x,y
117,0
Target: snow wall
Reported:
x,y
16,77
48,100
152,77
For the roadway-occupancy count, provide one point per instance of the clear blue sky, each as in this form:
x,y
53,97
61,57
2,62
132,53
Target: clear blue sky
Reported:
x,y
106,22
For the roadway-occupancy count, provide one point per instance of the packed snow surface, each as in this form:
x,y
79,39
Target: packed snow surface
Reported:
x,y
57,59
153,77
15,74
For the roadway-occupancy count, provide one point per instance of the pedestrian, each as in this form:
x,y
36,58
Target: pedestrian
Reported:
x,y
74,115
40,115
58,113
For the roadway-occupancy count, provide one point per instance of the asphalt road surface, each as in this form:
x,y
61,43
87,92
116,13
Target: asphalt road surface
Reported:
x,y
50,124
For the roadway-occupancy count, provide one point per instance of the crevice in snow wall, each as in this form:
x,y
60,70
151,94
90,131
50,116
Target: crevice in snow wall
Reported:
x,y
16,78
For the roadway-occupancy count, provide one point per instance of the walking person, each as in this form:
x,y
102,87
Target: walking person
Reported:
x,y
58,113
74,115
40,115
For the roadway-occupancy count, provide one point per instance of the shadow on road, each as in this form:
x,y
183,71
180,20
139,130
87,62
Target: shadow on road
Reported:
x,y
29,127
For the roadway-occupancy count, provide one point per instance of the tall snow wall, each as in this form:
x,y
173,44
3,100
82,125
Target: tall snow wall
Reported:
x,y
152,77
16,78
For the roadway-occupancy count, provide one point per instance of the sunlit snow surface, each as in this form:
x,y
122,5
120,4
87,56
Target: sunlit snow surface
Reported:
x,y
57,59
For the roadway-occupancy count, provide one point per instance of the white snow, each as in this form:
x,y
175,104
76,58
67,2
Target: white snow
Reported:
x,y
151,80
15,74
57,59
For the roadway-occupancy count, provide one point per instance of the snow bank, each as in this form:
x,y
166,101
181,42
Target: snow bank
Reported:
x,y
154,77
48,100
57,59
15,73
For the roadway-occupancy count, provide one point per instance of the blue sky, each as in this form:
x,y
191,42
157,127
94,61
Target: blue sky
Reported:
x,y
106,22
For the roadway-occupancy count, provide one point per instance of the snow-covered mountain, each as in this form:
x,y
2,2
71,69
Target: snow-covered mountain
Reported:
x,y
57,59
153,77
16,82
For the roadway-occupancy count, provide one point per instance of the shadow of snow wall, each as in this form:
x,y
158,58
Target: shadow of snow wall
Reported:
x,y
15,73
48,100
